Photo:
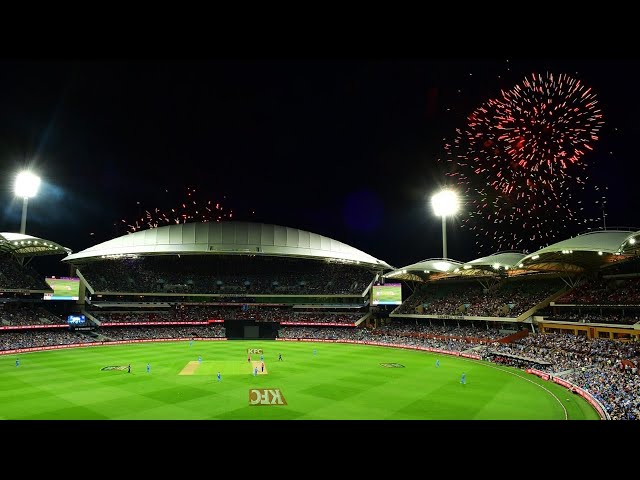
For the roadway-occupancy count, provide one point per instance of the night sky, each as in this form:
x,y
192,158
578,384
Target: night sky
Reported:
x,y
345,149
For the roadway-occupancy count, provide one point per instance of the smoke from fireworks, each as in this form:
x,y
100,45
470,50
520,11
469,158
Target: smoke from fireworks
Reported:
x,y
193,207
519,161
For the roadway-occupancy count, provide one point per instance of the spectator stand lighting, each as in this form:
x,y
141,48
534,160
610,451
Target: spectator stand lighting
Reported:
x,y
26,187
445,204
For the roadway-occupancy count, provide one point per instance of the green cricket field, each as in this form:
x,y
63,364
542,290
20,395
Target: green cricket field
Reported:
x,y
336,382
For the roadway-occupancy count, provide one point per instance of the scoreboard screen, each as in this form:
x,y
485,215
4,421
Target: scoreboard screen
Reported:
x,y
76,320
64,288
387,294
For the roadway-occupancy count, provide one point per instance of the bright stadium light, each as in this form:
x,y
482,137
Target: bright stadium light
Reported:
x,y
445,204
26,187
442,266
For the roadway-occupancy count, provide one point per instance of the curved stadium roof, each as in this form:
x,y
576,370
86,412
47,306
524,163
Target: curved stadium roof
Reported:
x,y
435,268
586,251
429,268
504,259
29,246
229,238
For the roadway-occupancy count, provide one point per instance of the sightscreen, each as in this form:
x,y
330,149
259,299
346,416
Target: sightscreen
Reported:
x,y
251,331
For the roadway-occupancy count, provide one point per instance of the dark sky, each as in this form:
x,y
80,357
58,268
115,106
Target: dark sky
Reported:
x,y
346,149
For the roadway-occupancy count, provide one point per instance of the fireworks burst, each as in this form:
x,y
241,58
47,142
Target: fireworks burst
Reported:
x,y
519,161
192,208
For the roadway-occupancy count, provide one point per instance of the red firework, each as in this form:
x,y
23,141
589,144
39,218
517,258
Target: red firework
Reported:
x,y
520,160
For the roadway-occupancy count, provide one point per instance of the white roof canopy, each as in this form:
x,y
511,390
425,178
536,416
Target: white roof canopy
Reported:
x,y
229,238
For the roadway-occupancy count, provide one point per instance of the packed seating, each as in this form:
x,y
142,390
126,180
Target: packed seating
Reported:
x,y
13,275
20,314
10,340
619,316
138,333
181,313
617,389
604,292
447,330
511,299
220,275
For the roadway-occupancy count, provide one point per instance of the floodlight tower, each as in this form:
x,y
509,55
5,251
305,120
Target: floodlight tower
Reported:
x,y
445,204
26,187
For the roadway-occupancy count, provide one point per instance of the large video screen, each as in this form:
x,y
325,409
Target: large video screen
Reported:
x,y
64,288
388,294
76,320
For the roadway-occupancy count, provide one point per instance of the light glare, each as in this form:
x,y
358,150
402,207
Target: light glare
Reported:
x,y
442,266
26,185
445,203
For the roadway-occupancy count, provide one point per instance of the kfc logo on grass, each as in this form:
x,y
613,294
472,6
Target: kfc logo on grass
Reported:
x,y
266,396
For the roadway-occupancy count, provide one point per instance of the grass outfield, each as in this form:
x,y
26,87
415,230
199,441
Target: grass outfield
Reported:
x,y
341,381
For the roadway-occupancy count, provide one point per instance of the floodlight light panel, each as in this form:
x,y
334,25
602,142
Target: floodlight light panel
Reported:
x,y
27,185
445,203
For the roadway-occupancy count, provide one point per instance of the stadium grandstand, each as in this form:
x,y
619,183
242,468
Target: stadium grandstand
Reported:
x,y
251,277
590,278
22,287
16,253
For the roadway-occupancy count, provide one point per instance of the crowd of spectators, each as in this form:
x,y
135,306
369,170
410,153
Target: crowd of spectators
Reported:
x,y
446,330
604,292
18,314
183,313
126,317
13,275
608,369
617,389
470,299
322,317
191,274
436,296
569,314
382,336
324,333
138,333
10,340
